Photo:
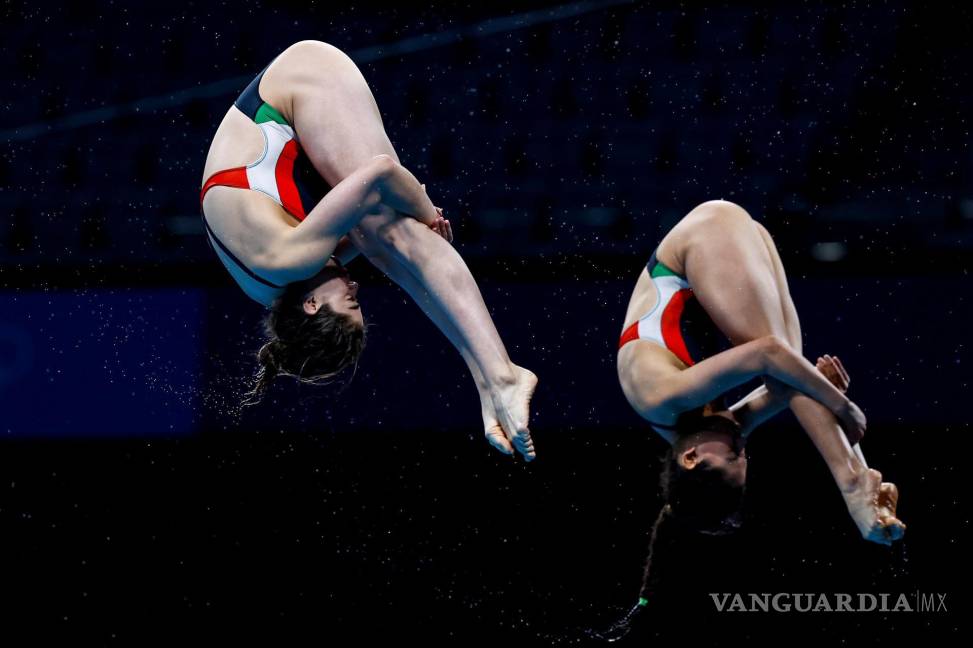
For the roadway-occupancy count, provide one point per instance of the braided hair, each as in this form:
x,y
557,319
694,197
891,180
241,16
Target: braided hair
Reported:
x,y
695,500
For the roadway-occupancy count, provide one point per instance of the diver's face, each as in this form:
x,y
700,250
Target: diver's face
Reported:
x,y
727,461
333,286
722,452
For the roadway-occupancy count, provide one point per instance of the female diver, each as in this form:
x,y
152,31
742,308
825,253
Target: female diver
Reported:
x,y
718,266
307,139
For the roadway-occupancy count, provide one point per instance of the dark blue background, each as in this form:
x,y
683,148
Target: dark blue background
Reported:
x,y
139,503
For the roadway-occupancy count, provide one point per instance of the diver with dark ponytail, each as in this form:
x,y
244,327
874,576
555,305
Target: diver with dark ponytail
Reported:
x,y
717,274
301,173
313,348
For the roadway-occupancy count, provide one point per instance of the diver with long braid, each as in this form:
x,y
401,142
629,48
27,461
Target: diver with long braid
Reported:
x,y
718,273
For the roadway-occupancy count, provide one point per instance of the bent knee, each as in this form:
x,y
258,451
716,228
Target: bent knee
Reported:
x,y
317,58
724,210
311,46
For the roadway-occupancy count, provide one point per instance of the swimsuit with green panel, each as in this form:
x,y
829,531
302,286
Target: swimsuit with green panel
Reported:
x,y
676,322
283,171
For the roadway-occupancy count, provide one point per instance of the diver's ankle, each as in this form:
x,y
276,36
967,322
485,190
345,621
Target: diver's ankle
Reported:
x,y
851,478
504,376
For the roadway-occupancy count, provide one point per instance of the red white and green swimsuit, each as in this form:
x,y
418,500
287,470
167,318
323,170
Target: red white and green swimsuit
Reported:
x,y
677,322
282,172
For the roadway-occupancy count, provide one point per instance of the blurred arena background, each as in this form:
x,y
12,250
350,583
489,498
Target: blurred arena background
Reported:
x,y
137,500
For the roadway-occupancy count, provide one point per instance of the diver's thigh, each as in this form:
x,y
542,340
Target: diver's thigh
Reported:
x,y
791,320
335,115
730,270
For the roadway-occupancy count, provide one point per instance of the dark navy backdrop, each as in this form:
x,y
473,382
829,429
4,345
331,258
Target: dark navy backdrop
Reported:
x,y
139,504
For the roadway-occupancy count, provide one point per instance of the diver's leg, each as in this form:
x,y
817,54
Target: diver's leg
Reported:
x,y
732,274
341,129
792,323
780,393
420,296
414,256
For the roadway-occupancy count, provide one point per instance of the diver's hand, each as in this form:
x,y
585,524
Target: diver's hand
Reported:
x,y
852,420
834,371
440,226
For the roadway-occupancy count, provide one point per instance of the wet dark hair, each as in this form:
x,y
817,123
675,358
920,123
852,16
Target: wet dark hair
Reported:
x,y
311,348
696,500
700,498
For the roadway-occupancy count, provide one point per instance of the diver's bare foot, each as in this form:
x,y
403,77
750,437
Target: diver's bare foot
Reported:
x,y
871,503
494,432
511,414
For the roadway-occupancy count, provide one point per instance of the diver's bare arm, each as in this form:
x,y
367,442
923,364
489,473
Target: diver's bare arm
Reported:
x,y
771,398
767,356
683,390
302,251
406,195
